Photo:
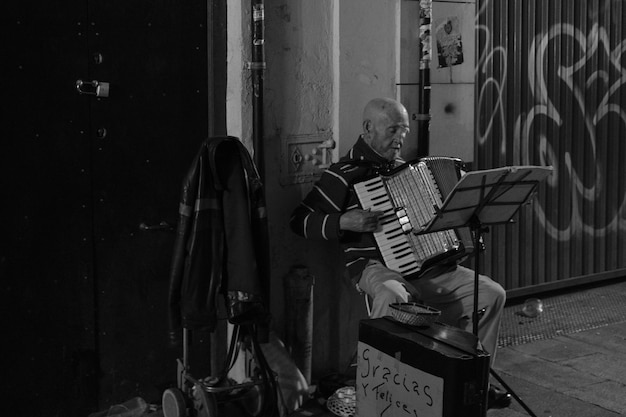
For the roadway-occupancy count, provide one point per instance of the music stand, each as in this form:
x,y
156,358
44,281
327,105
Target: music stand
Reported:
x,y
481,198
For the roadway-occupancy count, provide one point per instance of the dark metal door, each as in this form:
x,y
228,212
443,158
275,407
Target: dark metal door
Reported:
x,y
46,257
91,180
154,56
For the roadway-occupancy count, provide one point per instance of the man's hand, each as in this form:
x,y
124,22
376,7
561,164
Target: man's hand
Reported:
x,y
358,220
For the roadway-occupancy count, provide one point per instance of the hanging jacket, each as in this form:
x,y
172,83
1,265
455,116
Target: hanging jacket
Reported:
x,y
221,241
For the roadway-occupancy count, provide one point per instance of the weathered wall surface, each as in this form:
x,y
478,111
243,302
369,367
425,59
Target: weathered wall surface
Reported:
x,y
325,59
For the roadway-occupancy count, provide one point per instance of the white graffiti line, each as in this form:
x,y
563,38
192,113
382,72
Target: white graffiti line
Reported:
x,y
488,55
605,107
483,65
577,225
483,134
523,140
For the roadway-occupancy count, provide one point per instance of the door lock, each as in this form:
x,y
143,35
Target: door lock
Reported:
x,y
94,88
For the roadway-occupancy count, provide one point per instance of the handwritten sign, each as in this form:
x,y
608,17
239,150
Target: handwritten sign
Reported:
x,y
386,387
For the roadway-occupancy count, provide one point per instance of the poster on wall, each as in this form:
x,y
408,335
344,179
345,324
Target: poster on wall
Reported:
x,y
449,43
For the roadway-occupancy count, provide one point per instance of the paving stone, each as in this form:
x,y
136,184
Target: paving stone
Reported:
x,y
609,367
548,403
542,372
609,395
609,338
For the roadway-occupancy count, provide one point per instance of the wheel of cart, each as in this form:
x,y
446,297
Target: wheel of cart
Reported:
x,y
193,397
177,404
174,403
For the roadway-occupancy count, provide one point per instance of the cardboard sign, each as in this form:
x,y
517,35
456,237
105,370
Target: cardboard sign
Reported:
x,y
386,387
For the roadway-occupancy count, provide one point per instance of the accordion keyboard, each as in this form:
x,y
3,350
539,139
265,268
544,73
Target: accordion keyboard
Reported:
x,y
391,239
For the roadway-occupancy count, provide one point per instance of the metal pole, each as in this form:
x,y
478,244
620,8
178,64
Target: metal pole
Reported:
x,y
257,66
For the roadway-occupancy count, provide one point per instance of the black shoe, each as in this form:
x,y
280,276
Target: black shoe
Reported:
x,y
498,398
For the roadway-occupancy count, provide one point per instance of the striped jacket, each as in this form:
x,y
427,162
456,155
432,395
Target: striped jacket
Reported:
x,y
317,217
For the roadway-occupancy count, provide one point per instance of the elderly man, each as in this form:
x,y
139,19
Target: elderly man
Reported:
x,y
331,211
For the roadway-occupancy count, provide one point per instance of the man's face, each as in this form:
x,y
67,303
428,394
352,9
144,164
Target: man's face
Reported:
x,y
388,133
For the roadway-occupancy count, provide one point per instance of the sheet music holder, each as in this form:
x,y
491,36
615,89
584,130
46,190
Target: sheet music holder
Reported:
x,y
487,197
491,196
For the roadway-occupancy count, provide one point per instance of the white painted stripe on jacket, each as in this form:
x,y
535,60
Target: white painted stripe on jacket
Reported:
x,y
324,226
306,221
352,249
342,179
332,203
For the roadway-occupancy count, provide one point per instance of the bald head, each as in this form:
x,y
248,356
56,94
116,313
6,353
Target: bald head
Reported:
x,y
381,107
385,125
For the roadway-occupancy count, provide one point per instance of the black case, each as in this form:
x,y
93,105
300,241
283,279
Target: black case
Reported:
x,y
405,370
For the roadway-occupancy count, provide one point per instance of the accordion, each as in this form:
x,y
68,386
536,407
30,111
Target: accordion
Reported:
x,y
409,197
